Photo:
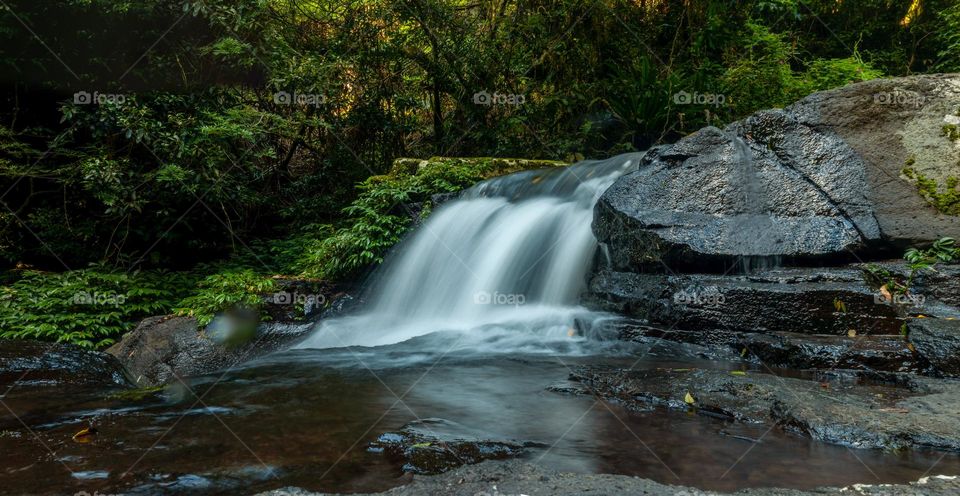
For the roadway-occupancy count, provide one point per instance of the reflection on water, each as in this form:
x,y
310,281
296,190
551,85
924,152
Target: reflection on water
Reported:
x,y
303,418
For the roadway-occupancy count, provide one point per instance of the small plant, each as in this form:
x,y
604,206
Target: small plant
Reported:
x,y
240,290
942,251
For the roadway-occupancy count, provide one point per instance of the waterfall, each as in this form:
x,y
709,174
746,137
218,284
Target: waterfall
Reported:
x,y
754,222
510,255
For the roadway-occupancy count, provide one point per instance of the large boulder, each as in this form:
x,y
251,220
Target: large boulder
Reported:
x,y
34,363
163,348
821,180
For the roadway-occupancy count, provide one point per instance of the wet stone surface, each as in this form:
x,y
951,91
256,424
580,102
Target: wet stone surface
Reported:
x,y
433,446
918,413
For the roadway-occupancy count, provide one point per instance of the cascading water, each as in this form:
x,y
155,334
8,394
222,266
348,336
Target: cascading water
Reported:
x,y
505,262
754,222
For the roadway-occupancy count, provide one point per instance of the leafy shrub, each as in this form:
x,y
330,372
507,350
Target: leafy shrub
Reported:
x,y
90,307
228,290
942,251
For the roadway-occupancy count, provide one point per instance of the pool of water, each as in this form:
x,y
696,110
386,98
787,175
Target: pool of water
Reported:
x,y
304,418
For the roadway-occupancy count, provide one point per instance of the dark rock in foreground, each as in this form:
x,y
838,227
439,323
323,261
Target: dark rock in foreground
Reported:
x,y
923,413
938,341
812,183
801,300
161,349
792,350
502,478
36,363
433,446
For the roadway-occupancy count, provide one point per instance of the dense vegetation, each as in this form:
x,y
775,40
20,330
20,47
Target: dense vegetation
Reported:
x,y
140,138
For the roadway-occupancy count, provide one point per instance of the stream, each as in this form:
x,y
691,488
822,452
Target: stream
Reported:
x,y
470,320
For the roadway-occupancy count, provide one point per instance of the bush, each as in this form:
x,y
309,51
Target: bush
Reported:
x,y
91,307
224,291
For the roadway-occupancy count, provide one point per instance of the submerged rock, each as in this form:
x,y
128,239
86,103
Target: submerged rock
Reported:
x,y
433,446
925,414
815,182
36,363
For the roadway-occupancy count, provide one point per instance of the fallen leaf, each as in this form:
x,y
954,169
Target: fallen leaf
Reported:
x,y
421,445
886,293
921,316
737,372
85,435
852,333
688,399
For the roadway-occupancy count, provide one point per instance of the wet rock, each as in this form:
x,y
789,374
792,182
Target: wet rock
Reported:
x,y
793,350
161,349
937,341
36,363
433,446
854,415
801,300
812,183
300,300
514,477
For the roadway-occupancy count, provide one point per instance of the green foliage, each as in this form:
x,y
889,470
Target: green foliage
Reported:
x,y
90,307
224,291
942,251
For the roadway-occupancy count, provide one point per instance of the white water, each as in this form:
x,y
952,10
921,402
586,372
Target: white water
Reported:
x,y
503,265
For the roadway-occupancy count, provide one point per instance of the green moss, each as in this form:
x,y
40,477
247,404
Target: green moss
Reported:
x,y
945,199
950,131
